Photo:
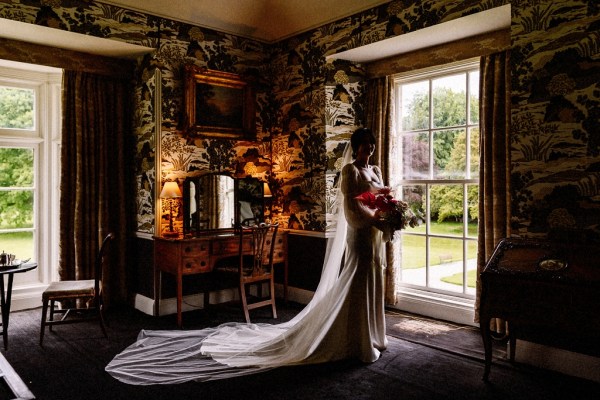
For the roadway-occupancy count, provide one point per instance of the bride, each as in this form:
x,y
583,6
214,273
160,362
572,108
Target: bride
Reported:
x,y
344,319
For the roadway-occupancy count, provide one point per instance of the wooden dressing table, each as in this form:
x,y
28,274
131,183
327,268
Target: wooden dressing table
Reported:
x,y
198,255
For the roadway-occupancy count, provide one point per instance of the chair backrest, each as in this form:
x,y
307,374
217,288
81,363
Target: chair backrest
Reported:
x,y
246,222
99,261
262,245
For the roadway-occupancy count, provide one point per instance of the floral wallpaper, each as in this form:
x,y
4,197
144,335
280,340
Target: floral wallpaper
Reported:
x,y
555,118
307,106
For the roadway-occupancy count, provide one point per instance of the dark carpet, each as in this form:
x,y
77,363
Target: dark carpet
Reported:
x,y
71,366
445,336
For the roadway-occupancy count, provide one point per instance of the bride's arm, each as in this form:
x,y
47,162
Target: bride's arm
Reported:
x,y
357,213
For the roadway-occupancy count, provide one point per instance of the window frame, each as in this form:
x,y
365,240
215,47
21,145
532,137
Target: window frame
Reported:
x,y
44,139
430,74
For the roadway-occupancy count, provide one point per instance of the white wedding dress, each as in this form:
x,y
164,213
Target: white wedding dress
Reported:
x,y
344,320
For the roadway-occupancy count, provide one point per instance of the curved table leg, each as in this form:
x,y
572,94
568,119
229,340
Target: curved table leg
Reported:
x,y
484,326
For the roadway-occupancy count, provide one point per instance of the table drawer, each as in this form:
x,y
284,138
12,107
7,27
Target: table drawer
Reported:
x,y
194,265
194,249
279,250
230,247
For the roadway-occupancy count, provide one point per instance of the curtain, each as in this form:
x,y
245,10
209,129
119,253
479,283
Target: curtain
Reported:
x,y
378,110
94,185
494,171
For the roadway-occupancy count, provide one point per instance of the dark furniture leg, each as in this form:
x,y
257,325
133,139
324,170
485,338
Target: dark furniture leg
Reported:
x,y
484,327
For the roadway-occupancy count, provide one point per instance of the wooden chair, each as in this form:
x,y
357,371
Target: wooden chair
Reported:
x,y
89,290
253,267
257,268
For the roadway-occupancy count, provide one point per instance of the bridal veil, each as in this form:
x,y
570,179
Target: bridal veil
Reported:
x,y
235,349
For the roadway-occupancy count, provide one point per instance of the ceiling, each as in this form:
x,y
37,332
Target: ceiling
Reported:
x,y
265,20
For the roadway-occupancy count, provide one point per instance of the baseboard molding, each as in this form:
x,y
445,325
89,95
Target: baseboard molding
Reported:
x,y
196,301
27,297
559,360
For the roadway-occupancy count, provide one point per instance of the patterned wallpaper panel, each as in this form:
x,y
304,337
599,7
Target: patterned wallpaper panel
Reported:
x,y
555,118
307,107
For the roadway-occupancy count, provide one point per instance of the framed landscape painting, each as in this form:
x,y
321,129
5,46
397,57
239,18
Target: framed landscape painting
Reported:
x,y
218,105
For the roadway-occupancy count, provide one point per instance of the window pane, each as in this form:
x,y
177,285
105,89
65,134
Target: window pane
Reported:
x,y
474,97
415,156
473,208
414,195
415,106
18,243
471,266
474,158
446,209
449,101
17,108
16,209
413,259
446,263
16,167
449,154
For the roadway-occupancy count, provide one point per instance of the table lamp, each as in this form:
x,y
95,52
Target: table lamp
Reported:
x,y
267,195
170,192
267,190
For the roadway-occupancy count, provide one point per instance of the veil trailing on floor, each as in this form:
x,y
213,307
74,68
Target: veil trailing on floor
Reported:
x,y
235,349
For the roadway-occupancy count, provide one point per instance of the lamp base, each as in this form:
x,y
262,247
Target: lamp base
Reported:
x,y
170,234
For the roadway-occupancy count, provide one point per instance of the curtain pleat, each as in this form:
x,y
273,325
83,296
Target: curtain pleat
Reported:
x,y
379,103
494,174
94,178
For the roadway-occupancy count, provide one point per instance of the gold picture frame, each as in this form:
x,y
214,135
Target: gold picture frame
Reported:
x,y
218,104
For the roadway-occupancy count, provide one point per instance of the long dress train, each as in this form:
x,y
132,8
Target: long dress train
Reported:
x,y
344,320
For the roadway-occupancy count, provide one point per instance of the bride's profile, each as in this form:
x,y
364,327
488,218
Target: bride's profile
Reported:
x,y
344,319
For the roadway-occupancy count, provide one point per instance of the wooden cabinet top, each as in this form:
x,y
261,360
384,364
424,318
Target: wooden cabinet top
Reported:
x,y
546,260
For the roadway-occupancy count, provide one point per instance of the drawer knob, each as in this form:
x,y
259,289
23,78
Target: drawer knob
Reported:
x,y
187,249
188,265
203,263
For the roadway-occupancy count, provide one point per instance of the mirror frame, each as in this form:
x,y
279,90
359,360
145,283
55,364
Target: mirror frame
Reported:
x,y
187,226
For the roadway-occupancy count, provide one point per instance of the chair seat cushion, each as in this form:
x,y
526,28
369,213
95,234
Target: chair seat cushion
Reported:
x,y
65,289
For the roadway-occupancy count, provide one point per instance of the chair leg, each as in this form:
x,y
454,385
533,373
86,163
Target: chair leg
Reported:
x,y
44,312
272,289
206,299
244,302
51,313
100,309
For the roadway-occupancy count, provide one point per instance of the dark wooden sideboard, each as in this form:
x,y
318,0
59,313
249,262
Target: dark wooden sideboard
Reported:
x,y
198,255
549,292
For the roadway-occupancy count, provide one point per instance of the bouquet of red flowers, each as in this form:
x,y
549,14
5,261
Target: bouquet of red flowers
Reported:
x,y
394,214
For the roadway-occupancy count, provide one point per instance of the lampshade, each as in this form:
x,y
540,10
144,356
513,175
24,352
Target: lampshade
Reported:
x,y
170,191
267,190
